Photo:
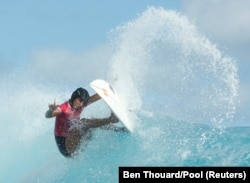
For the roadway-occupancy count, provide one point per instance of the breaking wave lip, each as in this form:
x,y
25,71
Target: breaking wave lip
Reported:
x,y
164,60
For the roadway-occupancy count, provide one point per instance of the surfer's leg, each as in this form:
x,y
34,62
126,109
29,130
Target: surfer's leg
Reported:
x,y
93,123
72,141
76,138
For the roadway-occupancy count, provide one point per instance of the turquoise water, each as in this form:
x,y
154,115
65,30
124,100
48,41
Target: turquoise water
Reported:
x,y
181,92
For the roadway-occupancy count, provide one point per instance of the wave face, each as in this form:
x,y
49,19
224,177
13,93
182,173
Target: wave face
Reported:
x,y
180,91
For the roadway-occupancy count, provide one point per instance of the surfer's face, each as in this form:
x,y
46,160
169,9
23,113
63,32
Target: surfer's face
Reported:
x,y
77,104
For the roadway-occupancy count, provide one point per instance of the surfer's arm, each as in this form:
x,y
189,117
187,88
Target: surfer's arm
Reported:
x,y
94,98
52,113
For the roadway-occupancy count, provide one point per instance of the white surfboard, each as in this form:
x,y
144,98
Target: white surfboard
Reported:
x,y
110,96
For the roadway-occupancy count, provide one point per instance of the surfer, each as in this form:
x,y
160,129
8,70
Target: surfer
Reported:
x,y
70,130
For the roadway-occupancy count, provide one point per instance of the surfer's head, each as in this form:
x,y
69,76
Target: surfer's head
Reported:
x,y
81,94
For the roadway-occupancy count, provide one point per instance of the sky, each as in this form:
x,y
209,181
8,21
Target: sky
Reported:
x,y
74,25
75,29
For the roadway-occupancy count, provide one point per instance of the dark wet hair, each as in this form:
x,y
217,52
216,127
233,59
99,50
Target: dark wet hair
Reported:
x,y
82,94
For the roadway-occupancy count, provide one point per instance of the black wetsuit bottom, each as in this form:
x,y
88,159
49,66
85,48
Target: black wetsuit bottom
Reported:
x,y
61,144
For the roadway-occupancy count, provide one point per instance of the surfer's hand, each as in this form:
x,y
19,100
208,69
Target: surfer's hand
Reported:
x,y
53,110
53,106
113,118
